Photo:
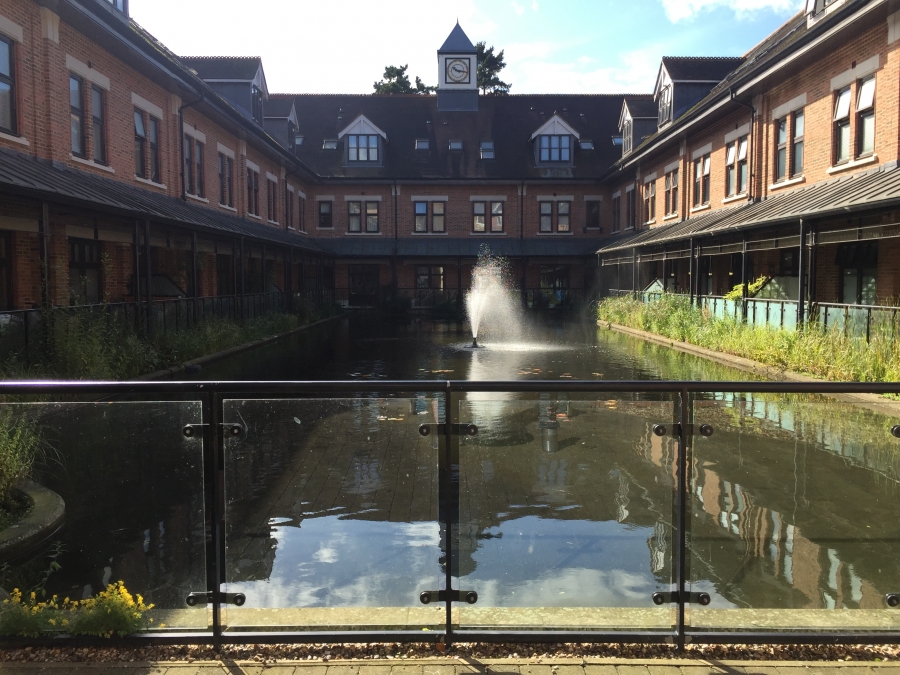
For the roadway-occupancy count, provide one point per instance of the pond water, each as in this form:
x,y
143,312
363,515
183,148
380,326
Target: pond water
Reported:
x,y
565,501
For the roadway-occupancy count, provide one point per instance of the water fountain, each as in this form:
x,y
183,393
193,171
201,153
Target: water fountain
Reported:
x,y
493,306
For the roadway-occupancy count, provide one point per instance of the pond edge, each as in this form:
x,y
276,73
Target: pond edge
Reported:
x,y
203,360
45,518
873,402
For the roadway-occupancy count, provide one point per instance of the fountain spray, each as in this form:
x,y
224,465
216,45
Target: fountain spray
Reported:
x,y
492,304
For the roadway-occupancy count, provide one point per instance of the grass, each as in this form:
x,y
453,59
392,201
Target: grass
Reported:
x,y
814,351
94,345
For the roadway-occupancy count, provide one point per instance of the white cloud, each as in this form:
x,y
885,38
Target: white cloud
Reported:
x,y
534,5
520,10
679,10
536,68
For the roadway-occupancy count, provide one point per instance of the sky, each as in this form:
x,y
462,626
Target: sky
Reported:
x,y
551,46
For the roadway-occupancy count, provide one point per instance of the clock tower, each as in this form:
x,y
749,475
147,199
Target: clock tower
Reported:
x,y
457,78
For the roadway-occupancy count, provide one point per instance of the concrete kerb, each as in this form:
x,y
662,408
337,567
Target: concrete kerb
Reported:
x,y
209,358
871,401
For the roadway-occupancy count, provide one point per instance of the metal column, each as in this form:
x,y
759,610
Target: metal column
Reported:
x,y
801,271
149,277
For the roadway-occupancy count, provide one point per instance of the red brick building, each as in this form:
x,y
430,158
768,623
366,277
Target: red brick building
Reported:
x,y
130,174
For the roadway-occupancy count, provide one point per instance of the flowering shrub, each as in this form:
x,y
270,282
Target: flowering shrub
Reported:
x,y
111,612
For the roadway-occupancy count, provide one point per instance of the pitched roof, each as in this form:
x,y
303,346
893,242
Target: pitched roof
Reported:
x,y
641,106
700,68
876,188
457,42
23,174
237,68
509,121
279,108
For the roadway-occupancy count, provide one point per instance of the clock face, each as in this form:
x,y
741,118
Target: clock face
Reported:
x,y
458,71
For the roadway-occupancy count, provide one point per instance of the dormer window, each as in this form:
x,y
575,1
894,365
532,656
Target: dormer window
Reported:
x,y
362,148
627,127
256,104
456,145
555,148
487,150
665,105
298,141
422,144
586,145
329,144
121,5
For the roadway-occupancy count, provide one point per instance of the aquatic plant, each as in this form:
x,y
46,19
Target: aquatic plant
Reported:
x,y
20,445
830,354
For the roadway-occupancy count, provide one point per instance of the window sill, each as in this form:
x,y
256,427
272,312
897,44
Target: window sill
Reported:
x,y
202,200
254,216
650,222
487,234
362,234
702,207
151,183
21,140
430,234
786,183
326,229
871,159
91,163
227,208
735,198
273,222
593,229
555,234
671,216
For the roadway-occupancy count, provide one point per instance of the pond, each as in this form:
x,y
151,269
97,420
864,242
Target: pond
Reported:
x,y
565,501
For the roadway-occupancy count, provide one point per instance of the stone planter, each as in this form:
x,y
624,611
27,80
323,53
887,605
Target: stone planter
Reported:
x,y
44,520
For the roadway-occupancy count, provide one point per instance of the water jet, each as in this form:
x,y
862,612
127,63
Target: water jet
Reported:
x,y
492,305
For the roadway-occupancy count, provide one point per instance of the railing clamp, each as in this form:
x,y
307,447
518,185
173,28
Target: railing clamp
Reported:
x,y
470,597
662,597
892,599
206,597
231,429
690,429
455,429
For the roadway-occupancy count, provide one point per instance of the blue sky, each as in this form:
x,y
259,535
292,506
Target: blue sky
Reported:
x,y
571,46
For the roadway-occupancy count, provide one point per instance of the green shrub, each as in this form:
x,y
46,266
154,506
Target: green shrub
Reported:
x,y
827,354
113,611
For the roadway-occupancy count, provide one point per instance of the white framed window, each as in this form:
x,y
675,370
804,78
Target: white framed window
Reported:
x,y
865,117
842,126
487,150
555,148
362,148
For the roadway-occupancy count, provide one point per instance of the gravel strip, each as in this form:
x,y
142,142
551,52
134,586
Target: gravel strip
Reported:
x,y
394,651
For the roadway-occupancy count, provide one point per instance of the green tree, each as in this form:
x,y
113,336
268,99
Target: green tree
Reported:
x,y
396,81
489,66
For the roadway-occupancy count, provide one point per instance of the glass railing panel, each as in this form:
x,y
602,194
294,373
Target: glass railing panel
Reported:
x,y
565,513
794,514
116,495
332,514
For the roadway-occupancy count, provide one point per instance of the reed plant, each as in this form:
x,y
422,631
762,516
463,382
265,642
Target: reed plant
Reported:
x,y
20,446
829,354
91,344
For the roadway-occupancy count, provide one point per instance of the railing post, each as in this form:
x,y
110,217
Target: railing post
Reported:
x,y
744,281
215,482
194,277
681,524
451,510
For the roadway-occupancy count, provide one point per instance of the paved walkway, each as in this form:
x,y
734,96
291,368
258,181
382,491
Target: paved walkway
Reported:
x,y
466,667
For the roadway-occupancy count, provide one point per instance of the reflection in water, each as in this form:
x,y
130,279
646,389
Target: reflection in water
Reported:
x,y
565,501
